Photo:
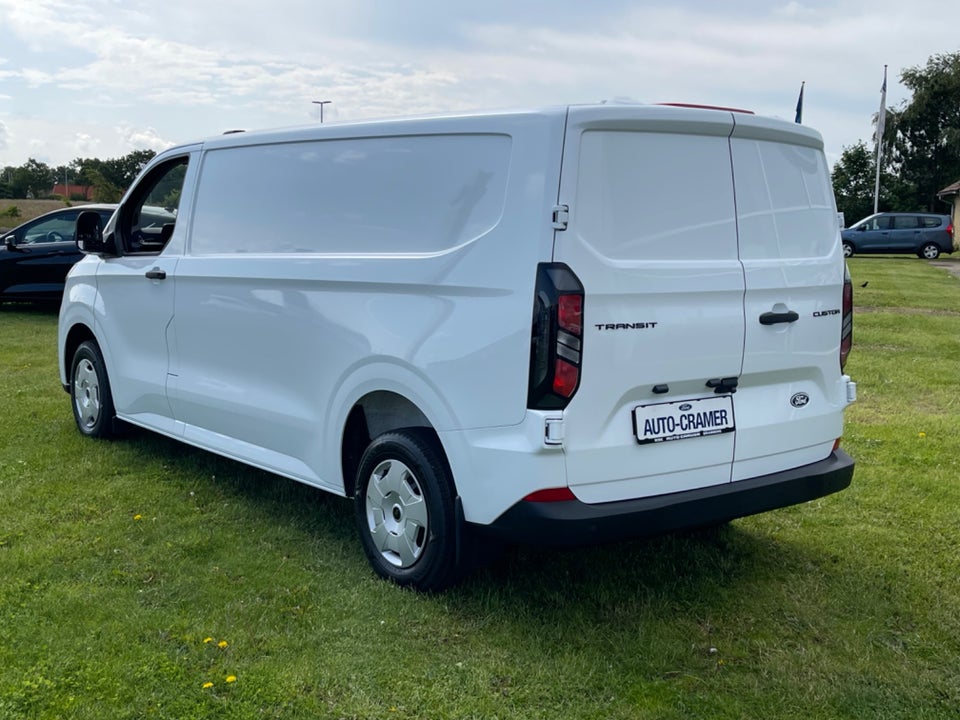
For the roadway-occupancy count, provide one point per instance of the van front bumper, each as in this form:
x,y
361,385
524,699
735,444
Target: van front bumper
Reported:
x,y
571,522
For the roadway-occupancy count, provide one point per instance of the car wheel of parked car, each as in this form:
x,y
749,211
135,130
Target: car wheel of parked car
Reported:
x,y
404,506
90,392
930,251
847,250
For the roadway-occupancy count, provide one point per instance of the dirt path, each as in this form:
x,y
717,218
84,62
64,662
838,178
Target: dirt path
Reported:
x,y
951,264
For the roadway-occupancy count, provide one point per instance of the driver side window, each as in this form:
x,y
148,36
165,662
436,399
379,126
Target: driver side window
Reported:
x,y
148,219
55,229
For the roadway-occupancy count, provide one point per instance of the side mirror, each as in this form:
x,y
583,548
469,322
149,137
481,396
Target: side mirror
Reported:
x,y
89,235
10,241
862,228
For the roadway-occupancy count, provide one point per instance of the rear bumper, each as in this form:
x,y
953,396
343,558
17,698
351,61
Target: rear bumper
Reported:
x,y
573,522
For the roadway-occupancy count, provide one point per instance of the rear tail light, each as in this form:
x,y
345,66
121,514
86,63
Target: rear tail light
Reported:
x,y
556,341
846,327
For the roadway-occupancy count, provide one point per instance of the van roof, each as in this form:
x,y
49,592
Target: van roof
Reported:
x,y
434,122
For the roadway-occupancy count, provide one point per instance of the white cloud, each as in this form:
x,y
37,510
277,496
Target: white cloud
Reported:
x,y
143,139
85,145
179,70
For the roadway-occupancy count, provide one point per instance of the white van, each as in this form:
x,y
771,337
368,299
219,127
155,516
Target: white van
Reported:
x,y
555,326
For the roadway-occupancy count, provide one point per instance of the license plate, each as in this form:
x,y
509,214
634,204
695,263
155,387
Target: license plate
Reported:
x,y
682,420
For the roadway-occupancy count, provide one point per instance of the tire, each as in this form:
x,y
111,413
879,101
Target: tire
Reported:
x,y
847,250
930,251
90,395
405,510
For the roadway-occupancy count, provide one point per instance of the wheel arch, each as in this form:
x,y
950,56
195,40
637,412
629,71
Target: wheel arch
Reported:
x,y
78,334
378,396
373,414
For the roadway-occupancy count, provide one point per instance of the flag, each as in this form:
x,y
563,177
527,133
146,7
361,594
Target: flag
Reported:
x,y
882,115
881,122
799,117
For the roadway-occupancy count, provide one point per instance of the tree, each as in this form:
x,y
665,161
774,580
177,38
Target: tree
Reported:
x,y
923,135
69,174
854,182
5,174
110,178
103,189
32,179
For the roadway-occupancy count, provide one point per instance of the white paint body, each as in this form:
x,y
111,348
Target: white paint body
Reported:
x,y
313,268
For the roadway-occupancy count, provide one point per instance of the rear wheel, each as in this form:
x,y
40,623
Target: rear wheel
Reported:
x,y
847,250
930,251
90,392
405,512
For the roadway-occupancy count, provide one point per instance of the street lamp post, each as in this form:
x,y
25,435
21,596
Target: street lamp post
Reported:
x,y
321,103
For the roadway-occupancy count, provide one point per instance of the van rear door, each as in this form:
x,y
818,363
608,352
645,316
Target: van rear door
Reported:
x,y
651,234
789,405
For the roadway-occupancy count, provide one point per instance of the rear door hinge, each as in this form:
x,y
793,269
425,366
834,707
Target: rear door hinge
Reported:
x,y
561,216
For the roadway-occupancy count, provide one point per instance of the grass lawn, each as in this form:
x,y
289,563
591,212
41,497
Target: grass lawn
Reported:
x,y
144,579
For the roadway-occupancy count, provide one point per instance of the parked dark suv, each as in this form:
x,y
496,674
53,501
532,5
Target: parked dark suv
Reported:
x,y
925,234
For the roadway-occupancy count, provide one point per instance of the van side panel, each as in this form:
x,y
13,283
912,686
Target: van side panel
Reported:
x,y
791,396
411,253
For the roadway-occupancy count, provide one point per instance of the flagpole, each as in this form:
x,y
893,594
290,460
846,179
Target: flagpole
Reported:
x,y
881,121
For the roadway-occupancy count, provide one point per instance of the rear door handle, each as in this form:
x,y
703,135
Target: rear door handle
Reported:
x,y
158,274
773,318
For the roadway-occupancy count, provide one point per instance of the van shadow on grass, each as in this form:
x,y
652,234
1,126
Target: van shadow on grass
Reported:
x,y
681,571
686,571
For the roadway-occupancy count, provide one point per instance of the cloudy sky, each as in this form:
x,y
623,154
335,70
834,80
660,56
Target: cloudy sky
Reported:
x,y
99,78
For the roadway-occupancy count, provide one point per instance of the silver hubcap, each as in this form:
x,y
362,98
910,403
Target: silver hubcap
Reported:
x,y
847,252
397,513
930,253
86,393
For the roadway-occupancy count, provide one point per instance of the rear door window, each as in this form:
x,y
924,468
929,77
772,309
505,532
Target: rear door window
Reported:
x,y
656,196
906,222
785,203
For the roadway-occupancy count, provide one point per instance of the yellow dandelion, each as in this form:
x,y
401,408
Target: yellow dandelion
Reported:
x,y
207,640
231,678
138,517
207,685
922,434
222,644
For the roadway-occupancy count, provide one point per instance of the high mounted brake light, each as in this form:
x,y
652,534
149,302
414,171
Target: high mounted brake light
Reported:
x,y
556,340
707,107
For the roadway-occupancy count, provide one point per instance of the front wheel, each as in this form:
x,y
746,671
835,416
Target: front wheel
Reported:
x,y
90,392
847,250
405,512
930,251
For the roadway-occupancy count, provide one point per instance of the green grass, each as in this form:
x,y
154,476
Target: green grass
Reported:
x,y
119,559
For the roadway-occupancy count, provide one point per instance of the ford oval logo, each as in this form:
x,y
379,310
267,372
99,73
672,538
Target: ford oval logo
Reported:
x,y
799,399
685,407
